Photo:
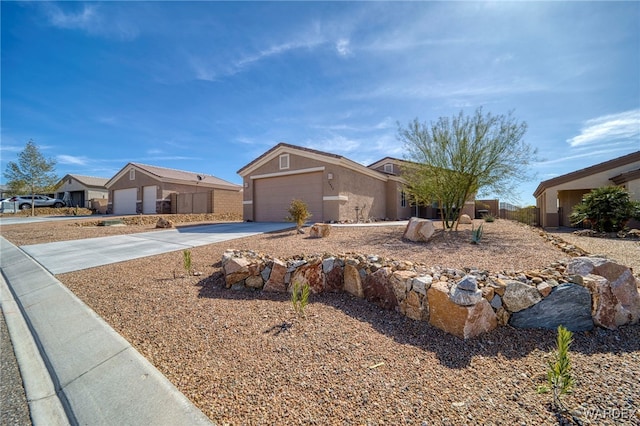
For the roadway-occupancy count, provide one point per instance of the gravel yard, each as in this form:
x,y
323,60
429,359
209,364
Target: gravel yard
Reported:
x,y
246,358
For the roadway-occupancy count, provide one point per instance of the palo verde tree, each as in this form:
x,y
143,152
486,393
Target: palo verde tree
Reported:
x,y
33,173
454,158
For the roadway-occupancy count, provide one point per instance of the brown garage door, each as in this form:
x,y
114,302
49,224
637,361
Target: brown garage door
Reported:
x,y
273,196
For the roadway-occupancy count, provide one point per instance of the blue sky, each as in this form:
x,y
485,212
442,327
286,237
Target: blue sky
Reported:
x,y
209,86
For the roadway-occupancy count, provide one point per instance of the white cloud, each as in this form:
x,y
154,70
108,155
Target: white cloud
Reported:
x,y
336,144
342,46
624,125
70,159
89,19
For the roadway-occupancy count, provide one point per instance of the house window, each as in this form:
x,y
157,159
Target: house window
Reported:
x,y
132,174
403,199
388,168
284,161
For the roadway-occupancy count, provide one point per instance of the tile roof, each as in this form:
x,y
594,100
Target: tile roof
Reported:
x,y
188,177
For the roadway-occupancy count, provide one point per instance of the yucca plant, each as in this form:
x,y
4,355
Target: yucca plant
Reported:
x,y
476,234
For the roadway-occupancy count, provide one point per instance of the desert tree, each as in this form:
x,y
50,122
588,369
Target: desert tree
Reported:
x,y
454,158
32,173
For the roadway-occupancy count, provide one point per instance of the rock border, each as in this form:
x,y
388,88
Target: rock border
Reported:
x,y
579,294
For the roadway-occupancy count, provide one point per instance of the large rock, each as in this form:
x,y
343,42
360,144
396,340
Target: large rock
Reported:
x,y
401,283
333,274
378,289
419,230
466,292
320,230
616,300
568,305
276,281
164,223
465,219
235,269
518,296
415,306
462,321
353,280
309,274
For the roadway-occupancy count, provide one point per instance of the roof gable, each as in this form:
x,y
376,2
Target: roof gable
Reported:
x,y
167,175
587,171
282,148
92,181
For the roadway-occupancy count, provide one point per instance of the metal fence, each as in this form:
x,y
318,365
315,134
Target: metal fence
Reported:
x,y
527,215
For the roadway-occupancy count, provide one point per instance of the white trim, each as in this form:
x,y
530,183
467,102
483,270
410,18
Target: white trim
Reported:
x,y
291,172
335,198
247,202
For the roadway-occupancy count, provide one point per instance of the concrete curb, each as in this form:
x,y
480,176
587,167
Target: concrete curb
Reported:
x,y
44,405
81,371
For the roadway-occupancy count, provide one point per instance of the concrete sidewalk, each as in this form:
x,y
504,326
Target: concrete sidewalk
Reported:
x,y
67,256
76,369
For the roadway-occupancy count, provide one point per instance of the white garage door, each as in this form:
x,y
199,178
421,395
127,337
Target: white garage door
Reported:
x,y
273,196
149,194
124,201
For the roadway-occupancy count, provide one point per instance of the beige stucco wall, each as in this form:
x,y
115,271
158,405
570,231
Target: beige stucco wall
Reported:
x,y
549,201
362,191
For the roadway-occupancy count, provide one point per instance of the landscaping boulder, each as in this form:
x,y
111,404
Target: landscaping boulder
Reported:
x,y
320,230
462,321
276,281
164,223
466,292
235,270
616,300
568,305
465,219
353,280
378,289
419,230
309,274
518,296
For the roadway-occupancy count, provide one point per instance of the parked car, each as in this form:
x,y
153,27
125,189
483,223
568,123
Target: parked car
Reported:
x,y
24,201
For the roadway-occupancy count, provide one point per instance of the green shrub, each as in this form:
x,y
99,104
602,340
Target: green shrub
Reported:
x,y
606,209
298,213
489,217
559,378
300,297
186,261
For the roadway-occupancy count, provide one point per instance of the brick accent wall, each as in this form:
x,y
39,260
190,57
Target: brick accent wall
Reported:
x,y
223,201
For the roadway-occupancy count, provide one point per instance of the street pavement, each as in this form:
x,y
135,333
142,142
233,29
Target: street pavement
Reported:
x,y
75,368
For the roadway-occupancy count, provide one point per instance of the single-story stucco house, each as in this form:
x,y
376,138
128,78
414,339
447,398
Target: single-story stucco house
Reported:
x,y
78,190
140,188
556,197
335,188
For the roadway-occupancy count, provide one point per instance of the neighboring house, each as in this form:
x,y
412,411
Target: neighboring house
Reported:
x,y
78,190
556,197
334,188
140,188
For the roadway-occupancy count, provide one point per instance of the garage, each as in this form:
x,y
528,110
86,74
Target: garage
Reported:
x,y
273,196
125,200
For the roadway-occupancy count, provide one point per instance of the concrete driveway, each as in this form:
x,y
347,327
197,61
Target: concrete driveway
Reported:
x,y
68,256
